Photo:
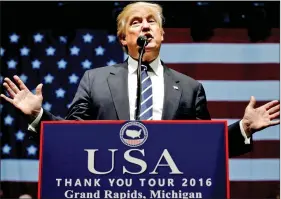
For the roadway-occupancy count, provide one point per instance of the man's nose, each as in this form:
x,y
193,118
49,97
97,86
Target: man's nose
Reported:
x,y
145,25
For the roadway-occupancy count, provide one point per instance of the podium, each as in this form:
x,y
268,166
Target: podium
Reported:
x,y
133,159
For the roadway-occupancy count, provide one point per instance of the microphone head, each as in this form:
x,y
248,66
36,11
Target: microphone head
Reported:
x,y
142,40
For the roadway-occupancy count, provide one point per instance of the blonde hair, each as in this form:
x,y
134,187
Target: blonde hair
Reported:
x,y
124,15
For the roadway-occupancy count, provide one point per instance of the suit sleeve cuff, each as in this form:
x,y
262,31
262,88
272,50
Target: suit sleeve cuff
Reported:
x,y
34,124
247,140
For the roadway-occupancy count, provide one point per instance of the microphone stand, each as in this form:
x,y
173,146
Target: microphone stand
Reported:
x,y
139,87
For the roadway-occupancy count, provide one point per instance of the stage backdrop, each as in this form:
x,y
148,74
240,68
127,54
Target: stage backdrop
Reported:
x,y
230,68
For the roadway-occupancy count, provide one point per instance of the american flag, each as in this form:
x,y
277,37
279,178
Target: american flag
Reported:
x,y
230,68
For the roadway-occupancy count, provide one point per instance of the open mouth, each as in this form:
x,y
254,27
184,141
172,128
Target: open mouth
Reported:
x,y
149,36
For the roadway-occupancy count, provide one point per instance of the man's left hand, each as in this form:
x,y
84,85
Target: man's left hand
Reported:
x,y
256,119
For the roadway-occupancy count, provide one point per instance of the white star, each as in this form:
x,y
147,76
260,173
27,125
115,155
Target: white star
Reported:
x,y
20,135
8,120
36,64
38,38
12,64
61,64
68,105
24,51
111,62
47,106
63,39
73,79
23,77
2,51
34,91
60,93
48,78
31,150
111,38
100,50
87,38
14,38
6,149
74,50
86,64
50,51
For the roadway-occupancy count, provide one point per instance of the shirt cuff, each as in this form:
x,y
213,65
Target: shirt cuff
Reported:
x,y
247,140
34,124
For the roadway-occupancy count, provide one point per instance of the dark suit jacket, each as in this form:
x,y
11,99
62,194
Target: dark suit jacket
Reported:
x,y
103,95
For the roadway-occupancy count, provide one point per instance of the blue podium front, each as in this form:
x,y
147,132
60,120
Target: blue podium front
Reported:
x,y
131,159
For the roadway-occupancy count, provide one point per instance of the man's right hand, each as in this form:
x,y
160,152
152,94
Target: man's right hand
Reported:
x,y
22,98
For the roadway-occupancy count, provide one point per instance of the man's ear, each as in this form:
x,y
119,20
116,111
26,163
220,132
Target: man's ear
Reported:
x,y
162,35
123,40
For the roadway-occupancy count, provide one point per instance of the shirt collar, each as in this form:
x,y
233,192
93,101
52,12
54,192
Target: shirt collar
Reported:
x,y
155,65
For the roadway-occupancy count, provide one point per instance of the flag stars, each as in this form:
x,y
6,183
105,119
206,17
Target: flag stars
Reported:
x,y
47,106
38,38
6,149
36,64
2,51
87,38
20,135
24,51
100,50
50,51
12,64
48,79
111,62
111,38
23,77
31,150
63,39
60,93
14,38
73,79
8,120
74,50
62,64
86,64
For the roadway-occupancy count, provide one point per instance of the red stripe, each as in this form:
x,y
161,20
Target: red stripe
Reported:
x,y
221,35
255,189
263,149
235,71
230,110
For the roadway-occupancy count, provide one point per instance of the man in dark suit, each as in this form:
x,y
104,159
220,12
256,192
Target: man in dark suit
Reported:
x,y
109,93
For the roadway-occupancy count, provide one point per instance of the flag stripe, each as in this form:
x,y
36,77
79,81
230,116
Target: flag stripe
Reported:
x,y
254,169
266,90
220,35
258,189
236,72
271,133
220,53
263,149
230,110
240,170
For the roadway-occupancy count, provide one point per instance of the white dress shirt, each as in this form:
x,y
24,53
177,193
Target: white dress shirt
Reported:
x,y
157,79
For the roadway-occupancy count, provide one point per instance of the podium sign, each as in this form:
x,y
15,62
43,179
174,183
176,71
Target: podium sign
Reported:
x,y
129,159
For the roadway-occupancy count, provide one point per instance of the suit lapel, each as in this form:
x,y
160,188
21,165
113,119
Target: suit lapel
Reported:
x,y
172,94
118,85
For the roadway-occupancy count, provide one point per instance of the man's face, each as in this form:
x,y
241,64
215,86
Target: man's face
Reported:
x,y
142,21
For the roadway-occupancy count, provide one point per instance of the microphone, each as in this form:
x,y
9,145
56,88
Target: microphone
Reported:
x,y
142,42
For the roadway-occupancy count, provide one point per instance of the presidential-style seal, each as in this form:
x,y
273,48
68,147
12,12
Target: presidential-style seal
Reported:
x,y
133,134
